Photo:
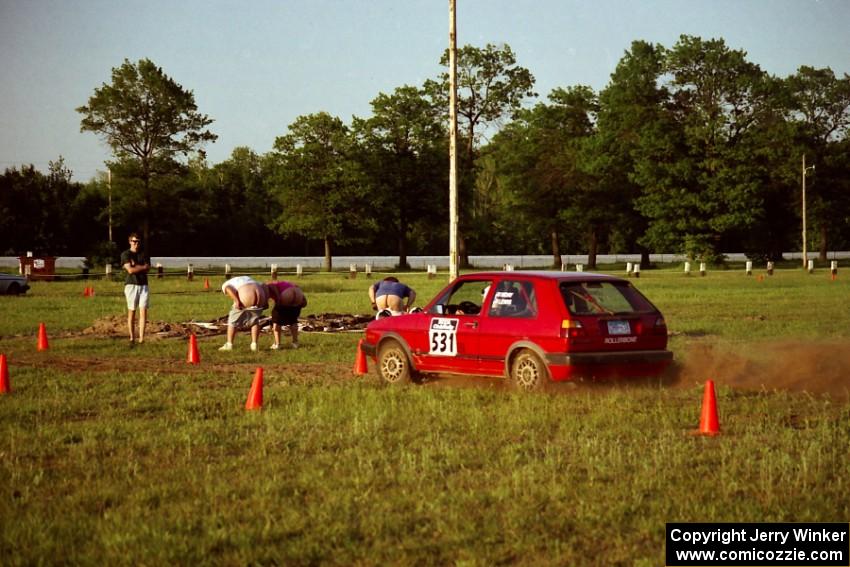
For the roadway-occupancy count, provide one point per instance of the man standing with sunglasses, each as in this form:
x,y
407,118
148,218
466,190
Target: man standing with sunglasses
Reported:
x,y
137,264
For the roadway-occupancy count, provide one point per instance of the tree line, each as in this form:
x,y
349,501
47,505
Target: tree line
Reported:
x,y
692,149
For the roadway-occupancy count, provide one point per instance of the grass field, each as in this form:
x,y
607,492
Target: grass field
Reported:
x,y
119,456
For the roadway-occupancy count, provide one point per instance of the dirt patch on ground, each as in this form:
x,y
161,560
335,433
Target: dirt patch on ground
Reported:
x,y
817,368
115,326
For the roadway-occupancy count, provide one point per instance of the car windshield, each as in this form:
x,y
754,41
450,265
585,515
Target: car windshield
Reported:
x,y
604,298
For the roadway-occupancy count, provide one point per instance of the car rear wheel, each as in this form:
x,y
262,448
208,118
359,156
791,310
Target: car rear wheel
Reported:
x,y
393,364
528,372
14,289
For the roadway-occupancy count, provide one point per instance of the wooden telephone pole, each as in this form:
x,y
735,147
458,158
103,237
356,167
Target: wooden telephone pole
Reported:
x,y
453,212
109,190
805,253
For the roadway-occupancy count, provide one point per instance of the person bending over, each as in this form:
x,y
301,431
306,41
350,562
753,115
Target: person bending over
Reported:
x,y
250,298
288,302
390,294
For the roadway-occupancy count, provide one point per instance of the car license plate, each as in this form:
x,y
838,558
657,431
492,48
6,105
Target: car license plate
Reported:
x,y
619,328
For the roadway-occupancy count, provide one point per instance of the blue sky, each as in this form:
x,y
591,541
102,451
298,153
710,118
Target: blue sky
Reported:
x,y
256,65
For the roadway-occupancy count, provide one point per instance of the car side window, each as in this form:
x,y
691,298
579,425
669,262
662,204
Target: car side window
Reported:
x,y
514,298
466,298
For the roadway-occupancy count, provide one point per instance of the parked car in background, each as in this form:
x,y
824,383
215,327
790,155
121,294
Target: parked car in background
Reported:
x,y
13,284
533,328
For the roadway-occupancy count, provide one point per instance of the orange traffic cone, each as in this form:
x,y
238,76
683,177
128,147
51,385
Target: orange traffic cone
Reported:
x,y
206,284
91,291
360,366
194,356
5,387
708,422
86,292
255,394
42,337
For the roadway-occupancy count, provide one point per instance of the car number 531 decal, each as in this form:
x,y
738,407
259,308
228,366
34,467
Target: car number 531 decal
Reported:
x,y
442,337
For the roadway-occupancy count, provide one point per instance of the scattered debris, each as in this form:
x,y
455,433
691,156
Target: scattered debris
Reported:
x,y
116,326
334,323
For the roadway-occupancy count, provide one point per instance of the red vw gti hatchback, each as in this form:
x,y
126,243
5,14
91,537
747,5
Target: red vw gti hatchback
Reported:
x,y
531,327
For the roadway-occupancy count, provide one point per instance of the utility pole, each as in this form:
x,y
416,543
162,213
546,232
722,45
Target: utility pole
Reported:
x,y
109,191
453,214
805,253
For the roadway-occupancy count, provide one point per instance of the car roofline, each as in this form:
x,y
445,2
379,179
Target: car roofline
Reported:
x,y
551,275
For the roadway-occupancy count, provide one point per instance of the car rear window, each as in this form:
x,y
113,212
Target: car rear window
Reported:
x,y
604,298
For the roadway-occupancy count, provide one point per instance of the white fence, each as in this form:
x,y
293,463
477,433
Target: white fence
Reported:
x,y
289,263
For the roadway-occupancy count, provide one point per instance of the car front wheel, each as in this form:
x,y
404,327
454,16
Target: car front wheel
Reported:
x,y
528,372
393,364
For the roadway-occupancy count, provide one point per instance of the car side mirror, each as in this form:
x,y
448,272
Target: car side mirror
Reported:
x,y
440,309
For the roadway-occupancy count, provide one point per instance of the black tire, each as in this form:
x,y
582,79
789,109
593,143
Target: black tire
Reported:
x,y
528,372
393,365
13,289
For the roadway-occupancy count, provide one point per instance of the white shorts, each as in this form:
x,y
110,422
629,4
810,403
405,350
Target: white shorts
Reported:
x,y
137,296
244,318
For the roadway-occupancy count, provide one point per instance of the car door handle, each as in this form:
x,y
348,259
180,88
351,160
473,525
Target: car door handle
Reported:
x,y
471,324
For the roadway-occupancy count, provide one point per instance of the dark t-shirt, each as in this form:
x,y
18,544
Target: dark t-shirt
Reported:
x,y
136,258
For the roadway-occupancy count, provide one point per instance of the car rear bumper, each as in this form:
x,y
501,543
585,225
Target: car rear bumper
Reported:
x,y
565,366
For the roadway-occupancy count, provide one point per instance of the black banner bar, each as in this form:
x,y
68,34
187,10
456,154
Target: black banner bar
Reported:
x,y
762,545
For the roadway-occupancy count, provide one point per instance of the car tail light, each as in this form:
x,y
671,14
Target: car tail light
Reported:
x,y
660,327
571,328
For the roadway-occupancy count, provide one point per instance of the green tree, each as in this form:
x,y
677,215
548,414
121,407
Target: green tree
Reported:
x,y
699,183
38,210
145,115
234,194
821,102
318,184
164,196
90,223
819,107
491,87
631,112
21,199
538,157
497,210
404,154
